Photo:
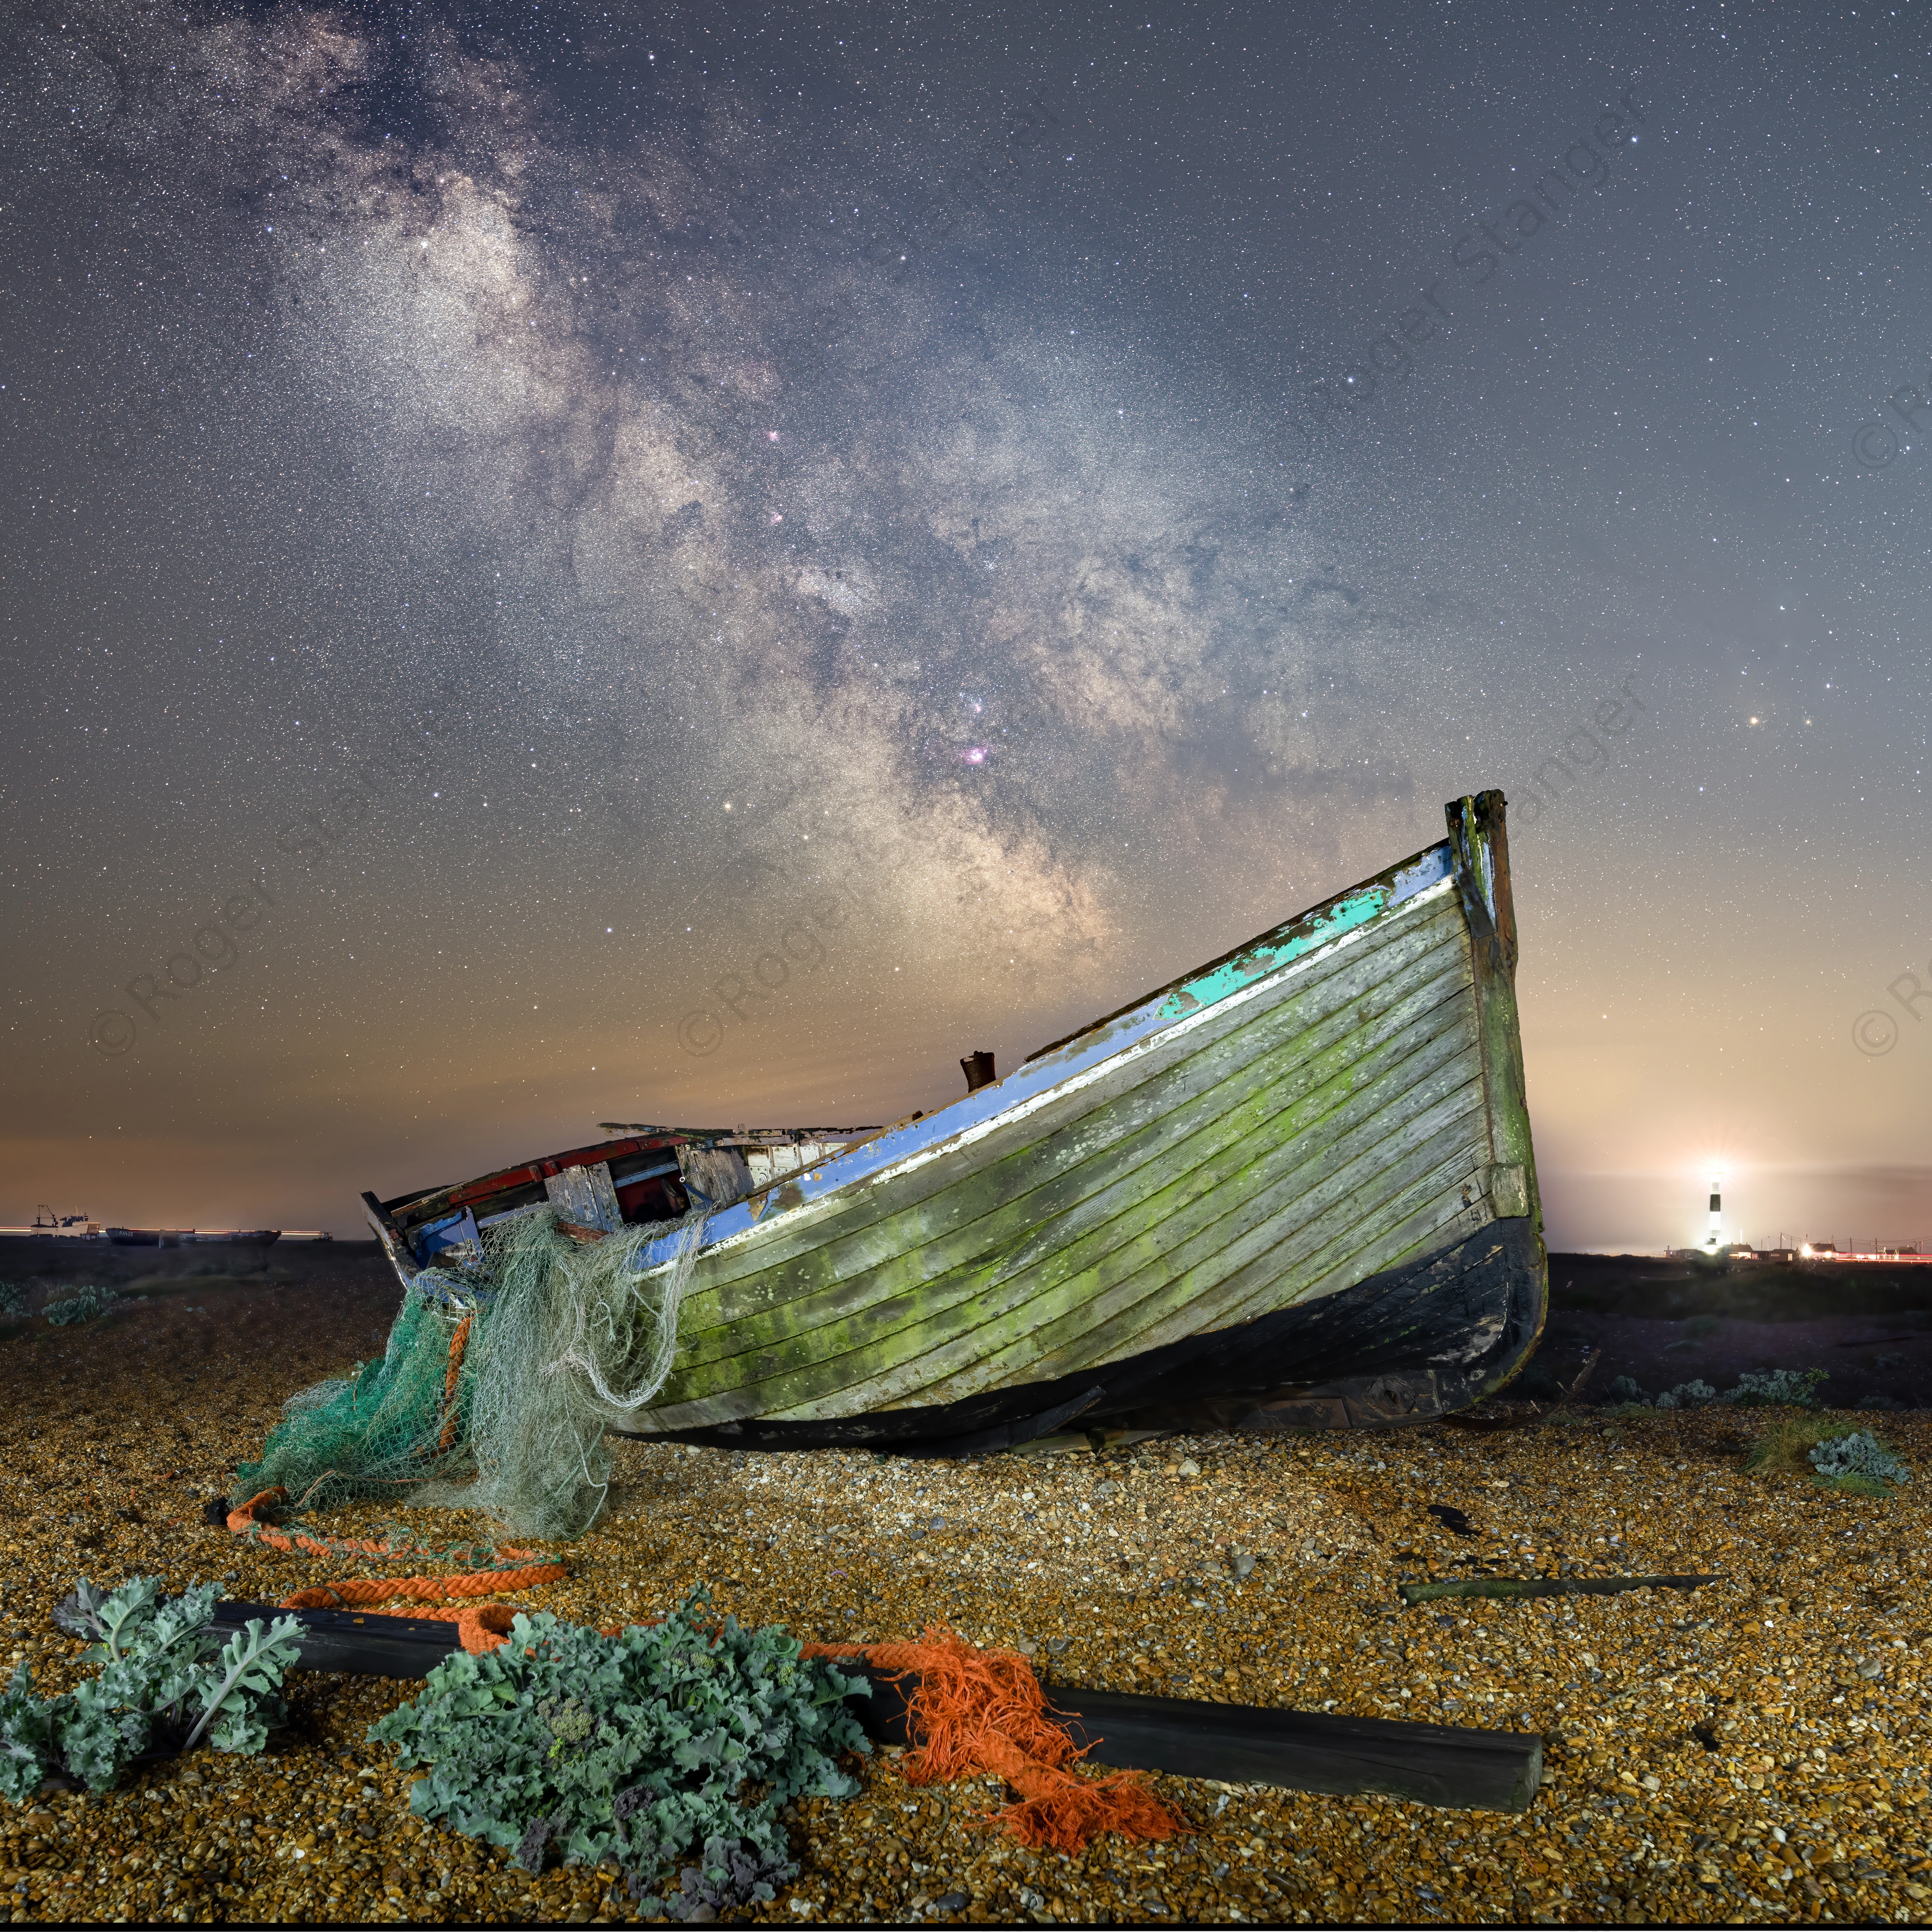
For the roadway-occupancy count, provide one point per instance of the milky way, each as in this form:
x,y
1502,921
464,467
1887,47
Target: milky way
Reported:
x,y
706,570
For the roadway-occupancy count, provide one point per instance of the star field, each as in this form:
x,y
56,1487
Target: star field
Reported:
x,y
893,530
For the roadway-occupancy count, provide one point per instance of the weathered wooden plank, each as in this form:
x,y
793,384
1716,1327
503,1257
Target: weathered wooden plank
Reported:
x,y
1198,1195
1420,927
819,1354
1372,1214
1164,1298
1006,1329
1187,1242
1394,1227
586,1195
1299,1750
1412,1594
1479,846
1433,1199
1184,1139
1154,1310
1045,1176
1308,1095
1306,1750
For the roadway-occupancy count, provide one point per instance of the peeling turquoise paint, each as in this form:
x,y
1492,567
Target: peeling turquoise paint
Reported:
x,y
1234,974
1308,934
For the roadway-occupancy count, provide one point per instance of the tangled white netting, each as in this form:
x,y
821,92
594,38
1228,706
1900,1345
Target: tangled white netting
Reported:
x,y
498,1382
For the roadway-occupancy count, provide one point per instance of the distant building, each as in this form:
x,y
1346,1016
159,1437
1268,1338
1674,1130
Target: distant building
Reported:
x,y
1904,1254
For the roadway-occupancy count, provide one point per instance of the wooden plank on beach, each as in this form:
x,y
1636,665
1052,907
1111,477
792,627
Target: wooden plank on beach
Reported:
x,y
1413,1594
1296,1751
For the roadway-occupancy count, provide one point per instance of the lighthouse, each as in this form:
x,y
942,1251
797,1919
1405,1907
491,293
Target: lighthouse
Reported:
x,y
1714,1240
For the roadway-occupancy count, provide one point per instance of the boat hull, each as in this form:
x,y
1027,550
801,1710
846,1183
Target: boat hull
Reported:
x,y
1295,1188
1393,1350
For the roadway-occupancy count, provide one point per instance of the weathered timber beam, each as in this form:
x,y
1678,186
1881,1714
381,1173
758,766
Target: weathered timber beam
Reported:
x,y
1298,1750
1412,1594
354,1641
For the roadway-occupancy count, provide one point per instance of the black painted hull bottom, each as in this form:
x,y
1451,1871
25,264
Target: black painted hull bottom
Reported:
x,y
1403,1347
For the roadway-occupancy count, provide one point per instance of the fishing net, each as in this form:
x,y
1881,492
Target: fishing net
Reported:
x,y
502,1372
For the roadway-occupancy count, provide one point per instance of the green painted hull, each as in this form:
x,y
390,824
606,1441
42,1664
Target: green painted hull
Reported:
x,y
1309,1129
1305,1167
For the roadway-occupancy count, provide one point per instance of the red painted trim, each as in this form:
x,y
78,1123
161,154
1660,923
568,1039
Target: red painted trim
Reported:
x,y
540,1170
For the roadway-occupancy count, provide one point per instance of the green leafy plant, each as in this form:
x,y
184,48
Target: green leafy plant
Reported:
x,y
681,1740
166,1681
1762,1388
13,1299
1692,1394
89,1304
1834,1455
1859,1462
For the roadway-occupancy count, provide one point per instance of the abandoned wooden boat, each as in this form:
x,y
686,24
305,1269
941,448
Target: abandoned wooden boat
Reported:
x,y
1294,1189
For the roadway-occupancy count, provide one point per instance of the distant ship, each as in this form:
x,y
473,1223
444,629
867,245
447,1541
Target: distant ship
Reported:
x,y
47,1226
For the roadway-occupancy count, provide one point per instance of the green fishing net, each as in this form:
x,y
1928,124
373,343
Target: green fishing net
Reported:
x,y
552,1342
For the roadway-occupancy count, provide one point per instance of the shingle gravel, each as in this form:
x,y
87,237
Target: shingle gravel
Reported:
x,y
1750,1752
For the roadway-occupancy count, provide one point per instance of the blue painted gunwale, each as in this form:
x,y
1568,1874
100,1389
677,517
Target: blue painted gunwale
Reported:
x,y
1035,1081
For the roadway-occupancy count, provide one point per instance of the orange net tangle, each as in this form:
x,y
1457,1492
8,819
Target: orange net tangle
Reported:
x,y
978,1713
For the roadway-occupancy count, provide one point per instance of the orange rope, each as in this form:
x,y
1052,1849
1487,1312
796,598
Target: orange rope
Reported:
x,y
243,1522
977,1712
479,1627
458,1343
424,1589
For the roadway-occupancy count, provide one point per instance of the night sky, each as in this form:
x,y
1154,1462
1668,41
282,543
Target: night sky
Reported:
x,y
695,565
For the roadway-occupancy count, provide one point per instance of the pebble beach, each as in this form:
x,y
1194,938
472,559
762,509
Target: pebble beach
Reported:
x,y
1749,1750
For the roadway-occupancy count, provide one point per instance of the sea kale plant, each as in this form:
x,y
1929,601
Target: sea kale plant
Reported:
x,y
86,1304
1694,1394
676,1744
1859,1462
166,1681
1762,1388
